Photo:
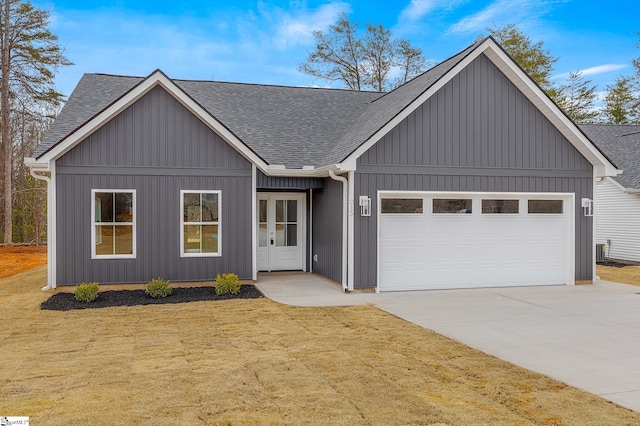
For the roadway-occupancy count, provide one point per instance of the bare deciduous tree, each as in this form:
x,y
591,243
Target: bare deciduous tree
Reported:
x,y
365,61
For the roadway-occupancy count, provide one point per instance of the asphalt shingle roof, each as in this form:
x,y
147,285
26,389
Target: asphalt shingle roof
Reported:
x,y
621,143
291,126
385,108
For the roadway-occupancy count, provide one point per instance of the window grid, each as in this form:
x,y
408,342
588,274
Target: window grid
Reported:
x,y
200,231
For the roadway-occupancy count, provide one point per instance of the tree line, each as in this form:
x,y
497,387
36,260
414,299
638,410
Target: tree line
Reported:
x,y
361,59
29,55
374,60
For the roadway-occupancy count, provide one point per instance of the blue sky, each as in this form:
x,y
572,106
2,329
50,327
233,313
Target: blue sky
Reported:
x,y
264,41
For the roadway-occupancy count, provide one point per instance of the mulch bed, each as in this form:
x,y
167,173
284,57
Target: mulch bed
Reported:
x,y
67,301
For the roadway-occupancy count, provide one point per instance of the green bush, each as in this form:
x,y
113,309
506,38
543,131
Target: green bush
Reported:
x,y
227,283
158,288
86,292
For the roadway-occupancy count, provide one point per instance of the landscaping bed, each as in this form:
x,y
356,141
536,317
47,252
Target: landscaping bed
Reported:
x,y
67,301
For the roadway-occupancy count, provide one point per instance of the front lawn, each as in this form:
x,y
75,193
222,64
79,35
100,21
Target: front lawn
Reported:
x,y
259,362
625,275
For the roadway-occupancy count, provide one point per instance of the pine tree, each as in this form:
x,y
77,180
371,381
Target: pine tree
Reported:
x,y
577,97
620,103
30,56
532,57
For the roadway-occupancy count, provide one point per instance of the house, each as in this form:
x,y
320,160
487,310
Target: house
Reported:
x,y
466,176
617,210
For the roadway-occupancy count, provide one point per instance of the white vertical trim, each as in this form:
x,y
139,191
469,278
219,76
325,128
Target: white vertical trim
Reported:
x,y
52,235
594,276
254,223
571,243
310,225
377,288
350,233
303,220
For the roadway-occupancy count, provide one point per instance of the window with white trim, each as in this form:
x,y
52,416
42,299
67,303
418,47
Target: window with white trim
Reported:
x,y
113,222
200,221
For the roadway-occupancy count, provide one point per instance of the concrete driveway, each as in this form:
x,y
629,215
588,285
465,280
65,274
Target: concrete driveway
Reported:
x,y
586,336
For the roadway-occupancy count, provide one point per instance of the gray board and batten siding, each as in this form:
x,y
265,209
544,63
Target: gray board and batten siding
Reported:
x,y
478,133
327,230
157,147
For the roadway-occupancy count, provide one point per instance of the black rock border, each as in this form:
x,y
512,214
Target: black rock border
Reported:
x,y
110,298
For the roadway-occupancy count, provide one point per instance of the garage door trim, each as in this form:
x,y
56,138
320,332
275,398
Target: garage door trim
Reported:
x,y
568,214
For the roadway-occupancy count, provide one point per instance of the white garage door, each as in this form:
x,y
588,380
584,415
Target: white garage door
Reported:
x,y
466,240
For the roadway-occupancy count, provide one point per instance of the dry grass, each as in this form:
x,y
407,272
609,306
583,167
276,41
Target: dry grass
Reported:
x,y
626,275
258,362
15,259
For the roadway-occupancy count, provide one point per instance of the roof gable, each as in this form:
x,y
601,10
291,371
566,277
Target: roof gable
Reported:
x,y
115,104
431,81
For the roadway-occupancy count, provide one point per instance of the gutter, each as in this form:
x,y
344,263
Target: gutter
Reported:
x,y
345,227
35,169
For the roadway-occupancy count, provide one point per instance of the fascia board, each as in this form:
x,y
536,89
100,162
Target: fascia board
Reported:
x,y
549,109
32,163
284,172
155,79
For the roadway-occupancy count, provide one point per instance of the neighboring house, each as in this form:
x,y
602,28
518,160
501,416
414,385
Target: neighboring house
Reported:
x,y
466,176
617,210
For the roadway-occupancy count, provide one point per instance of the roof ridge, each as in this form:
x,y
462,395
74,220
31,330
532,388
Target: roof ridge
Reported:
x,y
242,83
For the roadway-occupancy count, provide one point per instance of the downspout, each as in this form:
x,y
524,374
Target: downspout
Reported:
x,y
594,276
254,224
50,281
345,225
351,233
310,226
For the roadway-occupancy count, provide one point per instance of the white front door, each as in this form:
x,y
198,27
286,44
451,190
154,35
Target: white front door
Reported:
x,y
281,231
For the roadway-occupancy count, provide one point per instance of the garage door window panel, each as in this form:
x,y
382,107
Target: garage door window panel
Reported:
x,y
545,206
452,205
500,206
402,206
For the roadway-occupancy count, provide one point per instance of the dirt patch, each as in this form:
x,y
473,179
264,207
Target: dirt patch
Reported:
x,y
254,361
67,301
624,275
16,259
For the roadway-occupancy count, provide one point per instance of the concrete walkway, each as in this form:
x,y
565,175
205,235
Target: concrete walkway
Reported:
x,y
587,336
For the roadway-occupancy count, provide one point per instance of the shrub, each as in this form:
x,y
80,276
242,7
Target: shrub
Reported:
x,y
86,292
158,288
227,283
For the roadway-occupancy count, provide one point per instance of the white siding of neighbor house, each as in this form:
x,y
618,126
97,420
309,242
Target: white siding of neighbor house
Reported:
x,y
617,215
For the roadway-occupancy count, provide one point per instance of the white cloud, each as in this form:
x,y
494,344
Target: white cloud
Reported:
x,y
295,26
417,9
597,70
502,11
601,69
